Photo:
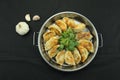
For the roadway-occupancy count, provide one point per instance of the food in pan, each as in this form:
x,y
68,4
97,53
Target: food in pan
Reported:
x,y
70,22
60,58
53,41
87,44
69,59
55,29
83,52
84,35
47,35
68,42
77,56
53,51
61,24
79,27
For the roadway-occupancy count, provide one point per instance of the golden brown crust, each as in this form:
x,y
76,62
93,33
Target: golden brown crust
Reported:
x,y
61,24
84,53
76,27
60,57
51,39
69,59
71,23
87,44
48,35
51,42
65,19
79,27
77,56
84,35
55,29
53,51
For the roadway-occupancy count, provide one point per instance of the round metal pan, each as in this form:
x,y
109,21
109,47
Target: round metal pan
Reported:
x,y
75,16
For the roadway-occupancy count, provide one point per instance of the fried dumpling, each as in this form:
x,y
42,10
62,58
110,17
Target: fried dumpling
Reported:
x,y
65,19
79,27
84,53
87,44
61,24
53,51
55,29
69,59
75,25
69,22
51,42
47,35
84,35
60,58
77,56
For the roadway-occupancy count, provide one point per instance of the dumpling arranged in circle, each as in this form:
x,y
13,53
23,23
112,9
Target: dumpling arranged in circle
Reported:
x,y
55,29
77,56
53,51
87,44
69,22
84,35
51,42
79,27
60,58
84,53
61,24
67,43
69,59
47,35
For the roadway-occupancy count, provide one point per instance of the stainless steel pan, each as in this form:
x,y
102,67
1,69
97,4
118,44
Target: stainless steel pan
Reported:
x,y
78,17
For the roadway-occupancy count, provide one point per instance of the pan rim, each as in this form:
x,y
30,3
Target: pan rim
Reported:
x,y
68,70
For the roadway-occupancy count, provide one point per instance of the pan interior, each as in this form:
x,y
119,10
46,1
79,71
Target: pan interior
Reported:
x,y
77,17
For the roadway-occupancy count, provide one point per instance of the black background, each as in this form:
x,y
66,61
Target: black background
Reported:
x,y
20,60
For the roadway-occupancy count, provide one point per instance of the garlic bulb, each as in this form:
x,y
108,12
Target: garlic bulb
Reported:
x,y
22,28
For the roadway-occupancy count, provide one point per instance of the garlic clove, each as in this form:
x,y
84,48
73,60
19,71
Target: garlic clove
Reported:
x,y
36,18
22,28
27,17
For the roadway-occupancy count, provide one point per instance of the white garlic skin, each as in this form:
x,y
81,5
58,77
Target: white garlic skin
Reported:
x,y
27,17
36,18
22,28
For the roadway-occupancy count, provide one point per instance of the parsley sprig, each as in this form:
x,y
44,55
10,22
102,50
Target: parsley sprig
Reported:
x,y
67,40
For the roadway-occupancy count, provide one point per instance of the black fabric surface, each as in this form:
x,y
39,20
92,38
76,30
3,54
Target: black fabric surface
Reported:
x,y
20,60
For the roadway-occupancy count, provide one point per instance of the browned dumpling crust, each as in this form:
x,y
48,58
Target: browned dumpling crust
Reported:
x,y
51,43
79,27
61,24
63,56
47,35
84,35
87,44
84,53
77,56
65,19
53,51
60,58
69,59
69,22
55,29
76,27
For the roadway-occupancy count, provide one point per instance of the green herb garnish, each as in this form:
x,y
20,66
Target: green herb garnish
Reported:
x,y
67,40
